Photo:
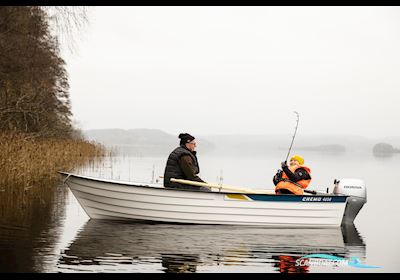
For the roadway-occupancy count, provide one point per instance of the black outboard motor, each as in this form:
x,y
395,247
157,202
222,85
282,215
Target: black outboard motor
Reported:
x,y
356,189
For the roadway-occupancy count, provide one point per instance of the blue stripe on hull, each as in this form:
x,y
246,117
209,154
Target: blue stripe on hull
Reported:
x,y
297,198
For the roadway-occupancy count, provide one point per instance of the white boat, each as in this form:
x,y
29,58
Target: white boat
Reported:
x,y
118,200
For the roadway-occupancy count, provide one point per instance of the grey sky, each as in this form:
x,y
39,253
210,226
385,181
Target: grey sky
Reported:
x,y
224,70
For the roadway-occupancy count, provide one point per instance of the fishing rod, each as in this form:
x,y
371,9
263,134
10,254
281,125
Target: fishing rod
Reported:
x,y
294,135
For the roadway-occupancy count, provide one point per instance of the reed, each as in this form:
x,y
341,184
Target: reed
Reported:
x,y
26,160
29,165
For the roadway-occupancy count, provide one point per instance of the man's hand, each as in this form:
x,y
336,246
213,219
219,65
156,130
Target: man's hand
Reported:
x,y
284,164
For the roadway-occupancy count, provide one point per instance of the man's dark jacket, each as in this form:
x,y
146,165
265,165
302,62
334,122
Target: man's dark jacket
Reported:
x,y
173,167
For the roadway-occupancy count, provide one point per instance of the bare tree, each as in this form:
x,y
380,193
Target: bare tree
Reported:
x,y
67,23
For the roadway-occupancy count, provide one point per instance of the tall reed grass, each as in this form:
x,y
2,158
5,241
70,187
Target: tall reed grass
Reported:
x,y
29,168
26,161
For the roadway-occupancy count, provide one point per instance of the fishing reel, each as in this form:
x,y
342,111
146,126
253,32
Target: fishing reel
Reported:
x,y
279,173
278,177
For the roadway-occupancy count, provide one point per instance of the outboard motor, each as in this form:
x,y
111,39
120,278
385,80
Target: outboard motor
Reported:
x,y
356,189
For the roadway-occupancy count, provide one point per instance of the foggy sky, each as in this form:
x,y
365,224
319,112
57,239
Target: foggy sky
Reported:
x,y
239,70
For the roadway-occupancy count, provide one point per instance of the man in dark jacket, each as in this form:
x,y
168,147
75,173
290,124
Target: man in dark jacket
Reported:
x,y
182,164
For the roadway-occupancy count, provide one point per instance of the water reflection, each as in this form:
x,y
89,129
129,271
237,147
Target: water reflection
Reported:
x,y
140,247
30,224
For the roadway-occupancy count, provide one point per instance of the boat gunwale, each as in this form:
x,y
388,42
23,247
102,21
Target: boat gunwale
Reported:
x,y
141,185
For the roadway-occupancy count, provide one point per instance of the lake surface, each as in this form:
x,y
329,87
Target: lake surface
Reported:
x,y
57,236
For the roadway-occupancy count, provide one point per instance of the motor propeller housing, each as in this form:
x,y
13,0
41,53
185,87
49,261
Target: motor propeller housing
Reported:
x,y
357,192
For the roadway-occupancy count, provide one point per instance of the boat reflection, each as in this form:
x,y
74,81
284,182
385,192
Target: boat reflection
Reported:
x,y
142,247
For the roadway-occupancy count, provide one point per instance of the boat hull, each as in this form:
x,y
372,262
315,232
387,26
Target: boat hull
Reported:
x,y
114,200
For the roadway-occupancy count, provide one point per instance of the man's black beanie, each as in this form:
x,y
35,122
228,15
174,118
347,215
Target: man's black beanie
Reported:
x,y
185,138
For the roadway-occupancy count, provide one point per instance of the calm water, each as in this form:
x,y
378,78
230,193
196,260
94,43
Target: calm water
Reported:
x,y
57,236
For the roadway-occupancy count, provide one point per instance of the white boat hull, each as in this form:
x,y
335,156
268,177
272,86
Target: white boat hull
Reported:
x,y
113,200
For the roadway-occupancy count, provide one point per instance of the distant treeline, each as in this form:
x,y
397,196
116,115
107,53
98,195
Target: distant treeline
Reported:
x,y
384,149
34,85
324,148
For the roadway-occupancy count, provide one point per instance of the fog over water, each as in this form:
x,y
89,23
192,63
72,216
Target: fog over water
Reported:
x,y
239,70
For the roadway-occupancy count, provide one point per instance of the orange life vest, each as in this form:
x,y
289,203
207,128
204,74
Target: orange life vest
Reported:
x,y
295,187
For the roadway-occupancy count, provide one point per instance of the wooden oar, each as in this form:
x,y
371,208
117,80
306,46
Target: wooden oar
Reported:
x,y
224,187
